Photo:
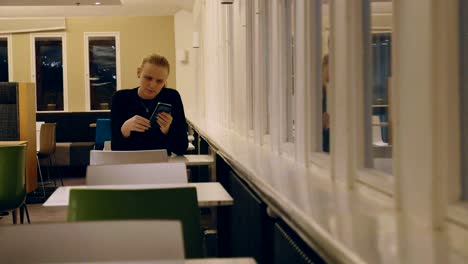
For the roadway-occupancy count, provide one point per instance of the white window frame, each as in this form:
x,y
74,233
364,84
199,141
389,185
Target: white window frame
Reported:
x,y
250,53
10,55
287,148
63,36
314,58
452,185
371,177
86,37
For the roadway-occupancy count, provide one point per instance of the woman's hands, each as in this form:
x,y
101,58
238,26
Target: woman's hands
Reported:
x,y
164,121
136,123
141,124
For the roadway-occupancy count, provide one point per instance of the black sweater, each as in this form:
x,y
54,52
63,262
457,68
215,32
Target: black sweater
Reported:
x,y
127,103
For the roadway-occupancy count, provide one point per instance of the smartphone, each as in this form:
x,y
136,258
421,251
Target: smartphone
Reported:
x,y
160,107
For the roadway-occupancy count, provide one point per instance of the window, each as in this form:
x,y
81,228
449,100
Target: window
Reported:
x,y
266,28
49,71
290,79
378,73
102,69
250,64
325,78
5,54
464,95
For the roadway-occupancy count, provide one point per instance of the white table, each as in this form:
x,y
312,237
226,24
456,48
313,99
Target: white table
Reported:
x,y
209,194
198,160
186,261
193,160
221,261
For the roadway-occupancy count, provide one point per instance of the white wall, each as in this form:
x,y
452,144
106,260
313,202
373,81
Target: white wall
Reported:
x,y
185,73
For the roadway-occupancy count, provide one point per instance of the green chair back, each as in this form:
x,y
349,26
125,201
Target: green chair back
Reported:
x,y
174,203
12,177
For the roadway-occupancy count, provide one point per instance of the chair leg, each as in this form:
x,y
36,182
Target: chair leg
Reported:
x,y
57,168
24,208
14,215
21,214
50,168
40,175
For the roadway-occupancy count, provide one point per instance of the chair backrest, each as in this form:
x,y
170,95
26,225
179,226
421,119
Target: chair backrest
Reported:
x,y
171,203
12,176
103,132
92,241
377,131
38,133
148,173
107,145
99,157
47,135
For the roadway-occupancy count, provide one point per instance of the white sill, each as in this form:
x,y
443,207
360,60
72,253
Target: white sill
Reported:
x,y
458,213
320,159
378,180
98,110
54,111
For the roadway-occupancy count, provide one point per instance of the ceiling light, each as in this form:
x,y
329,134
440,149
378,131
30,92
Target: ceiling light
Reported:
x,y
97,3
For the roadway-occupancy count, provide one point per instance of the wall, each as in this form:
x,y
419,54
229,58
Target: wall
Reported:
x,y
139,36
185,72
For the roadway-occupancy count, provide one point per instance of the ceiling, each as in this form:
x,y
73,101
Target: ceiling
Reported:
x,y
67,8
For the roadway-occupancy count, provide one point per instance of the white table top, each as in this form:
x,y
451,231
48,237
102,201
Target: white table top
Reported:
x,y
193,160
209,193
188,261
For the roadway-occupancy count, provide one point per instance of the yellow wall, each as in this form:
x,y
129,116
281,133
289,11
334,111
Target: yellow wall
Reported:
x,y
139,36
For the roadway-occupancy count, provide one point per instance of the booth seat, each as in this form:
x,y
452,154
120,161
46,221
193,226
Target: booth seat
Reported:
x,y
74,135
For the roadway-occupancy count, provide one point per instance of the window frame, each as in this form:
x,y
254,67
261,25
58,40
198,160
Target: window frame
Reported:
x,y
9,40
374,178
452,186
63,36
287,148
86,36
317,157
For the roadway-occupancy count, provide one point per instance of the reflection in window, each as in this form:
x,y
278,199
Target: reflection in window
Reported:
x,y
464,94
102,71
290,85
378,82
267,47
251,63
381,74
3,60
325,78
49,73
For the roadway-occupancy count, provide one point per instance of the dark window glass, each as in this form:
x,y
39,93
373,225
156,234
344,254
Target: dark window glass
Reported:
x,y
49,74
102,71
378,44
381,71
464,94
3,60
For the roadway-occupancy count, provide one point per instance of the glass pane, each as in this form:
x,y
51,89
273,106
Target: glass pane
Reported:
x,y
464,93
49,73
3,60
102,71
290,45
251,63
268,88
325,77
379,154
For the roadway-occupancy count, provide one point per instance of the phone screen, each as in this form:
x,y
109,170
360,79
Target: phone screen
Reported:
x,y
160,107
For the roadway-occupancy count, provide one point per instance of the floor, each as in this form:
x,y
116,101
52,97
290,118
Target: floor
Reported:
x,y
40,214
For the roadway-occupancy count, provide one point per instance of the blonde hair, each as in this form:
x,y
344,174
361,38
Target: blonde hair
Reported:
x,y
156,59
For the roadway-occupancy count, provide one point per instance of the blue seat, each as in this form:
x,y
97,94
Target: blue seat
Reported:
x,y
103,132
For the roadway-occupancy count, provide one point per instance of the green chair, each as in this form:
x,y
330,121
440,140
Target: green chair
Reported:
x,y
12,180
171,203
